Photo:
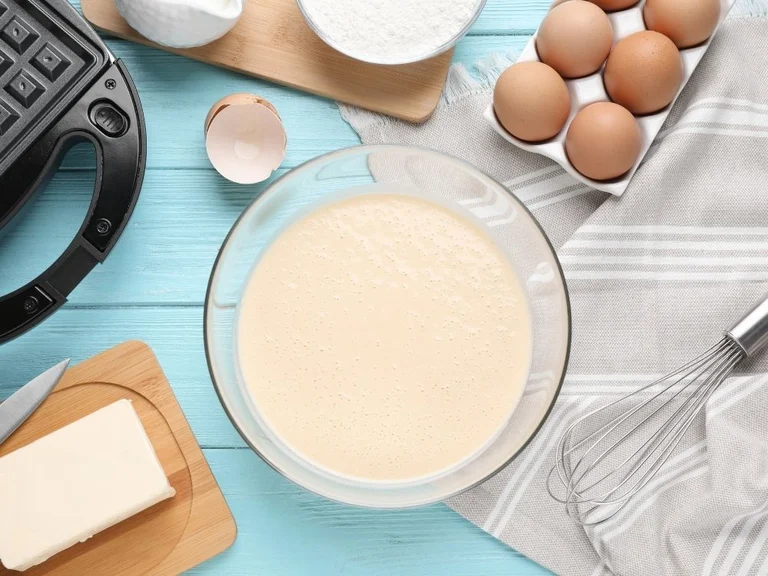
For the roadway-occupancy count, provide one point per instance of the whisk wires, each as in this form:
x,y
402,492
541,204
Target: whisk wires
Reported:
x,y
626,442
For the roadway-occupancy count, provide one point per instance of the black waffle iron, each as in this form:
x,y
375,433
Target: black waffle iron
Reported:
x,y
60,85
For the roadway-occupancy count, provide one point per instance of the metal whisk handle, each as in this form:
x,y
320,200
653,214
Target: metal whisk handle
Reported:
x,y
751,332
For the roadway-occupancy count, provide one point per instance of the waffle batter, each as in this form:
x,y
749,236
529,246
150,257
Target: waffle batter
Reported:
x,y
384,338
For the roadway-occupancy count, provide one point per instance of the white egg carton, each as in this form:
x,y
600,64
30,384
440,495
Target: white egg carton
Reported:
x,y
590,89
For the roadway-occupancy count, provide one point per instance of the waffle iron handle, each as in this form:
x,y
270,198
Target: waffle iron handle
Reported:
x,y
109,116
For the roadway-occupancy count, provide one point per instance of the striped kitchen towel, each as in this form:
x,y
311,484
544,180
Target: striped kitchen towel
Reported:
x,y
654,278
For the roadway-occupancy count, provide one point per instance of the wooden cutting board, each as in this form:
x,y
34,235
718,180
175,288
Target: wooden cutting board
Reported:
x,y
272,41
168,538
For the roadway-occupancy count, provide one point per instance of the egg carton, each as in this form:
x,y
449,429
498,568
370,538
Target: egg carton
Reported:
x,y
590,89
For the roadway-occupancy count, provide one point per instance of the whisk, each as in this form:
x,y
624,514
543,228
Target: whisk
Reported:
x,y
607,456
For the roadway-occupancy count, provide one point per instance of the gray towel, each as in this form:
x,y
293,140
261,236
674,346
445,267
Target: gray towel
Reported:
x,y
655,277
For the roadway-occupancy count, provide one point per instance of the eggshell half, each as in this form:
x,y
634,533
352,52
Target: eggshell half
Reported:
x,y
245,138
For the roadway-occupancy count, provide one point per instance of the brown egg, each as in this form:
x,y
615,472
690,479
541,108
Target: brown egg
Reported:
x,y
685,22
644,72
604,141
575,38
531,101
614,5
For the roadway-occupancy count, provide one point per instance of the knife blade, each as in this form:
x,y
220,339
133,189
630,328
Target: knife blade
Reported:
x,y
20,406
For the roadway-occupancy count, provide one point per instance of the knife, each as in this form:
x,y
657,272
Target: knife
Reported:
x,y
20,406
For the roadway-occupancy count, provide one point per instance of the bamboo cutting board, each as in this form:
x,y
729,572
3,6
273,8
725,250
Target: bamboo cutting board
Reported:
x,y
170,537
272,41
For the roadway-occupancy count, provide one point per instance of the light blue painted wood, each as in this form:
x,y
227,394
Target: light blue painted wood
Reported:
x,y
174,333
285,531
152,288
166,252
177,92
186,208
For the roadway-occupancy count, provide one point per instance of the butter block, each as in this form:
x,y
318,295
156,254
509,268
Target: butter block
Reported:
x,y
70,485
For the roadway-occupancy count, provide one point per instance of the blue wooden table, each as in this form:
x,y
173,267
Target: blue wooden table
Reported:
x,y
152,288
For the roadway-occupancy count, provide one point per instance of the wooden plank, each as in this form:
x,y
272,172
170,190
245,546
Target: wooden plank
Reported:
x,y
168,538
176,94
175,335
284,530
511,17
182,216
165,254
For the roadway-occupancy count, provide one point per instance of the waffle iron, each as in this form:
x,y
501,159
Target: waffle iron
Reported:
x,y
59,86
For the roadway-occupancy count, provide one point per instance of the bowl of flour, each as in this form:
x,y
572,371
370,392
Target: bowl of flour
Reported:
x,y
391,32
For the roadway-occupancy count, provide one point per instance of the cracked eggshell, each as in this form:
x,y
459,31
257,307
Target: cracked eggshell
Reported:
x,y
181,23
245,138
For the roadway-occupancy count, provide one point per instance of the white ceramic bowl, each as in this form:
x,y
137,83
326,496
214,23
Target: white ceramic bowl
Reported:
x,y
181,23
425,174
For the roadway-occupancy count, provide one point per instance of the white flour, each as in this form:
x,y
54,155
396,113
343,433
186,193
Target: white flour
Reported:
x,y
390,30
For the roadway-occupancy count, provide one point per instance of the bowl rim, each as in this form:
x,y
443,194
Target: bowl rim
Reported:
x,y
447,45
371,148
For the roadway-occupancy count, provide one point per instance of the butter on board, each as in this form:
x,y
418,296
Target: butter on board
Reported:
x,y
76,482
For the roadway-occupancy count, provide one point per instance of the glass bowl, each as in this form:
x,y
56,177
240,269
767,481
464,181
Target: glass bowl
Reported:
x,y
392,61
425,174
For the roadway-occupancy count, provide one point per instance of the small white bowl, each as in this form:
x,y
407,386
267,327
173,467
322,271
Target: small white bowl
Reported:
x,y
245,138
181,23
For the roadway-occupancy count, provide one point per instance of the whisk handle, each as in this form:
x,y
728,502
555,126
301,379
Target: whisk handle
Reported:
x,y
751,332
